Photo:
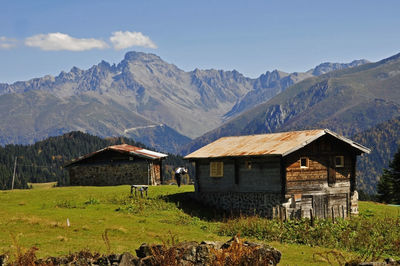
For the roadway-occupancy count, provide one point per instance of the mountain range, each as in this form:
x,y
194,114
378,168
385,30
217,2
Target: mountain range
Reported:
x,y
142,97
347,101
171,110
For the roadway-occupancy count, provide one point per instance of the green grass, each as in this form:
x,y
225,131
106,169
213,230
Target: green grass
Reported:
x,y
378,210
38,217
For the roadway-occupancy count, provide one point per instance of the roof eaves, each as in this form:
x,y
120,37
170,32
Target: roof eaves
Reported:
x,y
349,141
233,156
148,154
80,158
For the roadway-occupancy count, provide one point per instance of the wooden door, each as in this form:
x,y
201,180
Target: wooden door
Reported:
x,y
331,170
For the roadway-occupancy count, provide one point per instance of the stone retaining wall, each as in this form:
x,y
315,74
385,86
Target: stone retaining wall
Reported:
x,y
109,174
260,203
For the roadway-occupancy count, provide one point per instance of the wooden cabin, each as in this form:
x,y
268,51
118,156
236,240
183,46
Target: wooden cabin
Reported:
x,y
290,174
117,165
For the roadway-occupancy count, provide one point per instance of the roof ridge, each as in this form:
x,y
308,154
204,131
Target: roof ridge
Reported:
x,y
277,144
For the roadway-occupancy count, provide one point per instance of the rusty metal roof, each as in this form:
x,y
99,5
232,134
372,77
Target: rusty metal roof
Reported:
x,y
123,148
266,144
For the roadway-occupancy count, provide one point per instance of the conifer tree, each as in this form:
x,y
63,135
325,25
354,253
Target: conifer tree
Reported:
x,y
389,183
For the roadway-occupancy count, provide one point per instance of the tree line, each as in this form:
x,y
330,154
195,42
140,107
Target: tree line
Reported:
x,y
43,161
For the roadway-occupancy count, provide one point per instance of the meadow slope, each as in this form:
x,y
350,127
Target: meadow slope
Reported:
x,y
38,217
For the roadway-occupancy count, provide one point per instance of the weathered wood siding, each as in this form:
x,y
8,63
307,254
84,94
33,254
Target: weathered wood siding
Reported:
x,y
206,183
263,176
314,178
321,187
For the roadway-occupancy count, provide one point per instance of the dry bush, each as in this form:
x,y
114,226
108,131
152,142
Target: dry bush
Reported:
x,y
240,254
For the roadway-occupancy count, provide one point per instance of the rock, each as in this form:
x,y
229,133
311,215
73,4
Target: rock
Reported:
x,y
228,243
187,251
148,261
215,244
100,261
183,254
3,259
270,256
251,244
144,251
388,261
127,259
113,258
204,256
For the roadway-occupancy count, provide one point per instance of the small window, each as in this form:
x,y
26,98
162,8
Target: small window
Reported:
x,y
248,165
216,169
339,161
304,162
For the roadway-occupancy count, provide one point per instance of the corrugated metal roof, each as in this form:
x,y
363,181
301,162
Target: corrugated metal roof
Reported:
x,y
123,148
266,144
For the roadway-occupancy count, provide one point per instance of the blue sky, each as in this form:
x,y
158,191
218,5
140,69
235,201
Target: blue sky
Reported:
x,y
45,37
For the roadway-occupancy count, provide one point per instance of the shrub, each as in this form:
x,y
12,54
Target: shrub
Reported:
x,y
371,237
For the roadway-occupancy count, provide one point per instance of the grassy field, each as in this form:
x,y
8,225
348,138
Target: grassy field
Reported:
x,y
69,219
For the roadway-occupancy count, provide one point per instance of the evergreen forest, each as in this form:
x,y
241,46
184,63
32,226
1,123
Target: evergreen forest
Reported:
x,y
43,161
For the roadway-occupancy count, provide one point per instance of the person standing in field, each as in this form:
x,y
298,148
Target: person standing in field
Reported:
x,y
178,174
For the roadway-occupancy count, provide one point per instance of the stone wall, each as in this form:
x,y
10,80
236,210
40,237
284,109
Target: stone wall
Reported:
x,y
233,252
260,203
109,174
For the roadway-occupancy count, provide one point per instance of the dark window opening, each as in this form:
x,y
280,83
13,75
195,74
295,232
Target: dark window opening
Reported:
x,y
303,162
339,161
248,165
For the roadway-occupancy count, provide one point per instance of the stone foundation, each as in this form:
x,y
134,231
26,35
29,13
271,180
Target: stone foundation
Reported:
x,y
251,203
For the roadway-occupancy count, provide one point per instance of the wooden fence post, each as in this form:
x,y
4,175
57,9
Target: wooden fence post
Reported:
x,y
311,218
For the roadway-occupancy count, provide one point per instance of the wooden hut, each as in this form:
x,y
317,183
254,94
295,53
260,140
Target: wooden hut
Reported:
x,y
117,165
290,174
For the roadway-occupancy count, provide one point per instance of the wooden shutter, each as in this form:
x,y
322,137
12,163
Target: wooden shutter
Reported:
x,y
216,169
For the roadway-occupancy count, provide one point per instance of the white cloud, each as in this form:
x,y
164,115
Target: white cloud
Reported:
x,y
122,40
7,43
60,41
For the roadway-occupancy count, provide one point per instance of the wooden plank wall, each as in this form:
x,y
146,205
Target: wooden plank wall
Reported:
x,y
263,176
315,177
321,187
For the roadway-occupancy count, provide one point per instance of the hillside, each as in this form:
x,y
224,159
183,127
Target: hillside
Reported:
x,y
44,160
142,97
272,83
383,140
346,101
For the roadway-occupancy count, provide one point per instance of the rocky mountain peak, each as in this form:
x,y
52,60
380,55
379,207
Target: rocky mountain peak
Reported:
x,y
76,70
140,56
328,67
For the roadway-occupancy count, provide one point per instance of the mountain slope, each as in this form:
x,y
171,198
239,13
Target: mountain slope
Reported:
x,y
189,102
346,101
383,140
164,105
273,83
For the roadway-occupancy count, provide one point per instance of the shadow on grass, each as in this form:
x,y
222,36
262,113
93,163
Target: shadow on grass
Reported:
x,y
187,203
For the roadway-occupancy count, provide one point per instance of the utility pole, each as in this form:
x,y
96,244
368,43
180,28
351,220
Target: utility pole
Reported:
x,y
15,169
